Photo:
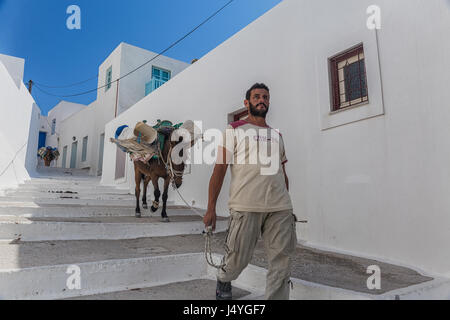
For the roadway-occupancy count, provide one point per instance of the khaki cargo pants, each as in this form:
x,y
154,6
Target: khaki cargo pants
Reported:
x,y
278,233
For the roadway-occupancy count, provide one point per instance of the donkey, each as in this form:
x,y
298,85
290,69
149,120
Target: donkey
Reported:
x,y
48,158
153,170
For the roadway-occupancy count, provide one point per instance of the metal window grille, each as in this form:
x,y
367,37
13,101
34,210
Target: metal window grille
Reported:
x,y
348,79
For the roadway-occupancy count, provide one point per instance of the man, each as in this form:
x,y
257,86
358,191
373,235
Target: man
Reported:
x,y
259,203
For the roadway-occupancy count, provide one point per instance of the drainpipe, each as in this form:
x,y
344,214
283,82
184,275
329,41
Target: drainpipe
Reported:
x,y
117,98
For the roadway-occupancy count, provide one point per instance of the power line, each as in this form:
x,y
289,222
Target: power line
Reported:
x,y
159,54
66,86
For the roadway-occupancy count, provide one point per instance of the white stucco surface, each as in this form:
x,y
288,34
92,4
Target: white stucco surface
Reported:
x,y
60,112
372,180
15,67
19,126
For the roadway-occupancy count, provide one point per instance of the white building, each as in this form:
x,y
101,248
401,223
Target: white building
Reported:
x,y
368,159
49,126
19,124
81,133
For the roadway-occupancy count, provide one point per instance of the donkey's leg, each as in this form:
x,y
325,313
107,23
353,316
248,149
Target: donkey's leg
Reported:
x,y
165,195
144,195
157,193
137,178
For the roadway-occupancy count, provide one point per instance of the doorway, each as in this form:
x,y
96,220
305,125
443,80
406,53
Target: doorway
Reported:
x,y
64,158
73,155
100,154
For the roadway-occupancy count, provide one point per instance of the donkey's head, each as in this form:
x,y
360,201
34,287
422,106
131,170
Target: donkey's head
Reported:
x,y
177,157
181,140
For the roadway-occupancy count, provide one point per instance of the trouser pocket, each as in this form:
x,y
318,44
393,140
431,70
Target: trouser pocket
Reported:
x,y
232,238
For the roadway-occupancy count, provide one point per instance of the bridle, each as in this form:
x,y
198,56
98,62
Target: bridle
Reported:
x,y
169,165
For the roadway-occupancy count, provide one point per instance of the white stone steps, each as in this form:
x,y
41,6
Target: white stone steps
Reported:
x,y
100,228
69,187
61,186
65,181
6,201
31,192
121,275
51,282
63,196
92,211
199,289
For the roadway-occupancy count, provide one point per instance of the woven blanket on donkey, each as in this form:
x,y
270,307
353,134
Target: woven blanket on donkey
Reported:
x,y
138,151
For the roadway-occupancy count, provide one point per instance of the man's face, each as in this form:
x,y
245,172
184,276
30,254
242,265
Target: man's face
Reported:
x,y
258,103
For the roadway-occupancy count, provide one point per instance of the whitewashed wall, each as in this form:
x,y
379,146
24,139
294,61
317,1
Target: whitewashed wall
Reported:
x,y
19,129
60,112
78,125
15,67
372,181
132,87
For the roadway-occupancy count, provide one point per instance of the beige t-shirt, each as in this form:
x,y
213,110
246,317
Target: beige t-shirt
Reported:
x,y
256,156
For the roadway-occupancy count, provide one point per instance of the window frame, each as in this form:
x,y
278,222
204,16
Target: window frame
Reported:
x,y
335,82
151,85
108,75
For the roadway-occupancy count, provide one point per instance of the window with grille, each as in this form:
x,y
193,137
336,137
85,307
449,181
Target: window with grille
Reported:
x,y
348,79
108,78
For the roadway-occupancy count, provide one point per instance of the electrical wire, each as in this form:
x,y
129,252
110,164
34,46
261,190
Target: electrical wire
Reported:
x,y
142,65
66,86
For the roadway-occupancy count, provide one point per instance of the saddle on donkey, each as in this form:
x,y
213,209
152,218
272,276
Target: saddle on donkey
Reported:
x,y
48,154
145,142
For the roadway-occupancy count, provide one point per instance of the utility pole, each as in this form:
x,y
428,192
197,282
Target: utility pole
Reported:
x,y
30,85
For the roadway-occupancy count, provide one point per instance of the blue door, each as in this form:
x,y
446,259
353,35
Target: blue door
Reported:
x,y
42,138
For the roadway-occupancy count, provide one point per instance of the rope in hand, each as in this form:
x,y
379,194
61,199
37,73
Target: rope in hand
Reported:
x,y
208,239
208,234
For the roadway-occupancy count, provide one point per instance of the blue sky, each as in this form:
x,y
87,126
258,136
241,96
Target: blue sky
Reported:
x,y
36,31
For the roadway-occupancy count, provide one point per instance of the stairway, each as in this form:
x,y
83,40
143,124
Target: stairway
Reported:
x,y
65,218
64,236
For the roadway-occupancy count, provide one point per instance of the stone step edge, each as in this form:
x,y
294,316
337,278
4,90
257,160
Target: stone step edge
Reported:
x,y
146,213
253,278
99,277
73,202
66,231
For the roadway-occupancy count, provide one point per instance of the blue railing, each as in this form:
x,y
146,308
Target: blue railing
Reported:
x,y
153,85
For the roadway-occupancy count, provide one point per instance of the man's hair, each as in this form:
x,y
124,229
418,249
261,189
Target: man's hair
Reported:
x,y
255,86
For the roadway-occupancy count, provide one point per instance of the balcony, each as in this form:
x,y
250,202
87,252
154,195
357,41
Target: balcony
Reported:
x,y
153,85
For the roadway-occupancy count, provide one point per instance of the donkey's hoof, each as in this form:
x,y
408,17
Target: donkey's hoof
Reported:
x,y
144,205
166,219
137,215
153,209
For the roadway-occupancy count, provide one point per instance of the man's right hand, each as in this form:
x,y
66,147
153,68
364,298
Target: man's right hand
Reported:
x,y
210,219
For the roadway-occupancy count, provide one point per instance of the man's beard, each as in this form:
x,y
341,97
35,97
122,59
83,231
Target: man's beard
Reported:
x,y
258,113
